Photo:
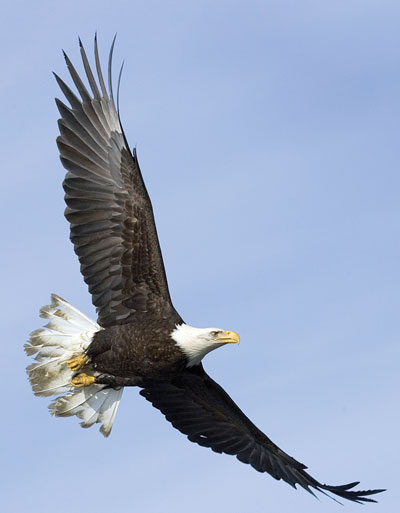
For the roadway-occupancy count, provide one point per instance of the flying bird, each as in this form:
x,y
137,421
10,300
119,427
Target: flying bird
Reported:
x,y
139,338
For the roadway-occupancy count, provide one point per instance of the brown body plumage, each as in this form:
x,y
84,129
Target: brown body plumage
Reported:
x,y
137,352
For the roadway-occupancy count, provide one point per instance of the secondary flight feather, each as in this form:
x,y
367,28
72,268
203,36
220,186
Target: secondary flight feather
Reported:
x,y
139,338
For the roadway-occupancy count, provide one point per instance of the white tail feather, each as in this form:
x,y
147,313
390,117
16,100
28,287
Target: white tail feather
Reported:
x,y
91,404
68,334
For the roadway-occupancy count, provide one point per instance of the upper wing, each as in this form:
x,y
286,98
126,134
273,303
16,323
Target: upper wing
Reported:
x,y
112,223
201,409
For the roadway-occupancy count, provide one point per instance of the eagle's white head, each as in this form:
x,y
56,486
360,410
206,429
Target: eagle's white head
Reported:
x,y
197,342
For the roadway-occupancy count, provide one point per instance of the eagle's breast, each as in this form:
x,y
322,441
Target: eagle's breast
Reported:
x,y
143,348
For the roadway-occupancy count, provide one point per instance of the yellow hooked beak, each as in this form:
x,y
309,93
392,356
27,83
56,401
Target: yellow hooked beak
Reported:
x,y
228,337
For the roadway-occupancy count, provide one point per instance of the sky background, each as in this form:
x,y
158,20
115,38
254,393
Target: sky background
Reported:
x,y
268,136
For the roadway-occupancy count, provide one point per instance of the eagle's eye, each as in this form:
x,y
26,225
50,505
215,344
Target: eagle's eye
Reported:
x,y
215,333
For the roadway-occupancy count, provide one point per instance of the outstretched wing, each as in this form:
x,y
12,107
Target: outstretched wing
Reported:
x,y
112,222
202,410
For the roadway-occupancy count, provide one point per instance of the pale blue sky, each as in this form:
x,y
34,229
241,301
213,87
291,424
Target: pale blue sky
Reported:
x,y
268,135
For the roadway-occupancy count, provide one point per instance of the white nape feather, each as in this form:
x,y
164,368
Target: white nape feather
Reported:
x,y
195,342
68,334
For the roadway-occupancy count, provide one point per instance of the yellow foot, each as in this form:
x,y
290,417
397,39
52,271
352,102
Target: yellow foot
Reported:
x,y
82,380
77,363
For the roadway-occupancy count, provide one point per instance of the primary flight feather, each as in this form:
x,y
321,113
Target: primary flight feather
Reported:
x,y
139,338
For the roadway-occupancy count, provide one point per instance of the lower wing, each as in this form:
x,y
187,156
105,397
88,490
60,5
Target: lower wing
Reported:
x,y
199,408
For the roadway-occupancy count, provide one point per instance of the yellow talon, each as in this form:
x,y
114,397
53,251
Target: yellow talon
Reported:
x,y
77,363
82,380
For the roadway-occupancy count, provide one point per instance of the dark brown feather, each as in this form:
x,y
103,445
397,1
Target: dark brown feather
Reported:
x,y
198,407
143,349
112,222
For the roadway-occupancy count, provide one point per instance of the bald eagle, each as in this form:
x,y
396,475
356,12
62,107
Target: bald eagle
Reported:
x,y
139,338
